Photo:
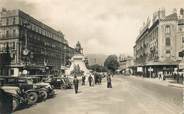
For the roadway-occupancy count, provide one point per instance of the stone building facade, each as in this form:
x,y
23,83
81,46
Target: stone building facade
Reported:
x,y
24,34
159,42
126,64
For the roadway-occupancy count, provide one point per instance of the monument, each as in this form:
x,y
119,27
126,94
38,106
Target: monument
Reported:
x,y
77,61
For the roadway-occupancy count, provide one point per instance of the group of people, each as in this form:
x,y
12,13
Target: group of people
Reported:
x,y
96,80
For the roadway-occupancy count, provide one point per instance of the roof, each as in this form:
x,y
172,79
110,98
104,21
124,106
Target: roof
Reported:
x,y
170,17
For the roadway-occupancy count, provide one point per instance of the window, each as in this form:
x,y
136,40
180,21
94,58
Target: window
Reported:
x,y
12,72
182,39
168,41
168,51
13,20
167,29
12,45
7,21
14,34
7,33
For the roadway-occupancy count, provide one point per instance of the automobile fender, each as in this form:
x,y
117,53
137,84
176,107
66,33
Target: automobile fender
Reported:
x,y
31,91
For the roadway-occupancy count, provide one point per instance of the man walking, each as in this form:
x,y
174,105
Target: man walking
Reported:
x,y
100,79
83,79
76,84
90,79
109,84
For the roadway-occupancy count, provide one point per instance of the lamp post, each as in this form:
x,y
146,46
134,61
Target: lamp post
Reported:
x,y
64,55
26,51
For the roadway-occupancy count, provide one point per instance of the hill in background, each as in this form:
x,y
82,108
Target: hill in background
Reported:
x,y
96,58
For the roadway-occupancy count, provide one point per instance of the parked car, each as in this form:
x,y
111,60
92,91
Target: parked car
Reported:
x,y
67,83
25,88
60,82
19,97
47,89
57,82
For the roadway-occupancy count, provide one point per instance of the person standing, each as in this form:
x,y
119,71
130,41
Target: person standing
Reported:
x,y
95,78
90,79
100,78
76,84
83,79
109,84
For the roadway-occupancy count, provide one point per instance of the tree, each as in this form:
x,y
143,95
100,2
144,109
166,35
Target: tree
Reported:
x,y
111,63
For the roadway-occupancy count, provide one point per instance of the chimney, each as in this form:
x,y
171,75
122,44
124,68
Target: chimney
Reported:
x,y
3,10
182,12
161,13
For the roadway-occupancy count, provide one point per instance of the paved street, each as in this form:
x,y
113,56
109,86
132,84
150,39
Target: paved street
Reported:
x,y
129,95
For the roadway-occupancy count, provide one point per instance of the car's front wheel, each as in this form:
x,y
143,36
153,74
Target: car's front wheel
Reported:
x,y
43,94
32,98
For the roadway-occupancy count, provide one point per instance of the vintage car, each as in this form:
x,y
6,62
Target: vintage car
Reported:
x,y
19,97
47,89
67,83
60,82
26,87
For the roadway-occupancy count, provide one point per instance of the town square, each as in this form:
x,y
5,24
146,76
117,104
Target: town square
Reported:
x,y
91,57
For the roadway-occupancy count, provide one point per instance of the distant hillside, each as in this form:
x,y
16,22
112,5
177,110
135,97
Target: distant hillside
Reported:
x,y
96,58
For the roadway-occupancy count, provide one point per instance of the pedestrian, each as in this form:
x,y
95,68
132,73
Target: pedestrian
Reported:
x,y
95,78
109,84
83,79
76,84
90,79
100,78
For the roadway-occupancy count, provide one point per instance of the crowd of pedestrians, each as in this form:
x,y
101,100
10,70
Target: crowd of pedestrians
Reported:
x,y
93,79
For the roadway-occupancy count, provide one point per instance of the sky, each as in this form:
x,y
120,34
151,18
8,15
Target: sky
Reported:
x,y
101,26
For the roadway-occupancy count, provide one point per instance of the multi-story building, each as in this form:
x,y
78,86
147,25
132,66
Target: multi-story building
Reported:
x,y
126,64
158,44
33,45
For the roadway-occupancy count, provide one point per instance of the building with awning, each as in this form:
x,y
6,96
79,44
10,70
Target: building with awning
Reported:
x,y
159,42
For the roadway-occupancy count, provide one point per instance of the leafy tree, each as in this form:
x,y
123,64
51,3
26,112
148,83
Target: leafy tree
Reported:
x,y
111,63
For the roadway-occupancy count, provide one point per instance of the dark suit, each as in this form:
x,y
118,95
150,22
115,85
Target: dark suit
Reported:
x,y
76,84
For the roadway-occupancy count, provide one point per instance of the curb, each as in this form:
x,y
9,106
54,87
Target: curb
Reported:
x,y
167,83
176,85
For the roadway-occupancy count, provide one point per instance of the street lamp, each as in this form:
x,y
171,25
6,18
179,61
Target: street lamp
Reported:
x,y
26,51
64,55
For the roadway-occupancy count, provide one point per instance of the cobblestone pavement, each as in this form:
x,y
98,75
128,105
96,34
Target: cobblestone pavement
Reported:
x,y
128,96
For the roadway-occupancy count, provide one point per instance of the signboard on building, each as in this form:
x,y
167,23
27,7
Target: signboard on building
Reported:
x,y
181,65
139,69
150,69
